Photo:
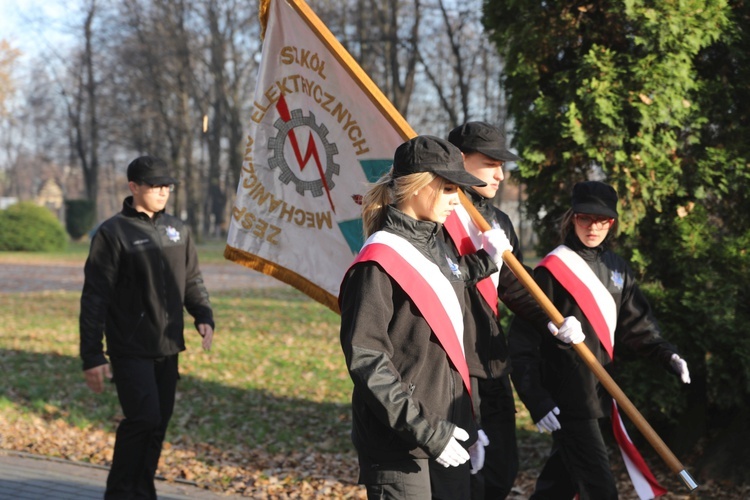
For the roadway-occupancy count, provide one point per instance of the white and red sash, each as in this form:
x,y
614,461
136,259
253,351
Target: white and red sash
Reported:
x,y
600,310
468,239
427,287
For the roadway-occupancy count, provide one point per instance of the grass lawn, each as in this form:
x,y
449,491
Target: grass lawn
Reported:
x,y
275,361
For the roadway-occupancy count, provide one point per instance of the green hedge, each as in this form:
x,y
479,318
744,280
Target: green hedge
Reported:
x,y
28,227
79,217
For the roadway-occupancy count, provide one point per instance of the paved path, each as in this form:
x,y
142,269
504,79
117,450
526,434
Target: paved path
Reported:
x,y
38,277
28,477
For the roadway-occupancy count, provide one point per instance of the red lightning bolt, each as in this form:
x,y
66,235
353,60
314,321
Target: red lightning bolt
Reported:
x,y
312,149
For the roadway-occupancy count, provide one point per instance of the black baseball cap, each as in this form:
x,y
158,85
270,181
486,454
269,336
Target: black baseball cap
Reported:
x,y
596,198
483,138
426,153
150,170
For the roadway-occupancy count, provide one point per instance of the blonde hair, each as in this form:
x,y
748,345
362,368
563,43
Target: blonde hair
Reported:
x,y
387,191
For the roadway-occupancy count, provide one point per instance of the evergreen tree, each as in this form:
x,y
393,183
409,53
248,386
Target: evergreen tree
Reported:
x,y
653,98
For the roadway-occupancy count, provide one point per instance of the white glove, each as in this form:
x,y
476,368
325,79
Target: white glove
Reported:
x,y
569,332
476,452
454,454
549,422
495,243
680,366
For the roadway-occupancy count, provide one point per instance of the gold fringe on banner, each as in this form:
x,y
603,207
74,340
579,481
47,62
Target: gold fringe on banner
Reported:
x,y
282,274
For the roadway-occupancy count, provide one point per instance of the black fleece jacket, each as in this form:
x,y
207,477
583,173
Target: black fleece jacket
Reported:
x,y
407,396
139,273
547,373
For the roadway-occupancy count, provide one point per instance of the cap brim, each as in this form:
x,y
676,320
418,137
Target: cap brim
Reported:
x,y
594,209
461,178
498,154
160,181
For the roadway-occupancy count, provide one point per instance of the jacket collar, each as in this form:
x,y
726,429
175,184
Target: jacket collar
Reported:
x,y
129,210
420,233
587,253
482,204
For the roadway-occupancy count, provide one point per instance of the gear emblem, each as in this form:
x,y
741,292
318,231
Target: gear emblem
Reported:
x,y
277,160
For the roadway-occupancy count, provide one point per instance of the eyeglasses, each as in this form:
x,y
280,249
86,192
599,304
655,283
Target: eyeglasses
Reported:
x,y
586,221
155,188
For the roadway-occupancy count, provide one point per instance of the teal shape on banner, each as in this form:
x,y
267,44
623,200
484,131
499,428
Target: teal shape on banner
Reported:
x,y
352,231
374,169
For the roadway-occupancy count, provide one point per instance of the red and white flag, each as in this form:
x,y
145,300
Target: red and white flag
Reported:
x,y
319,132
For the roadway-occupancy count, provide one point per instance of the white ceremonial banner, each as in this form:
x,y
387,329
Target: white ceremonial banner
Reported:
x,y
319,132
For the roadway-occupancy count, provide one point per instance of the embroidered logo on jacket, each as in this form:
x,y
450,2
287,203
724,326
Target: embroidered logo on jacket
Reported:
x,y
454,267
173,234
617,279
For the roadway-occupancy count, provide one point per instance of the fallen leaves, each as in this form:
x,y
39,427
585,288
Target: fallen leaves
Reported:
x,y
255,472
250,472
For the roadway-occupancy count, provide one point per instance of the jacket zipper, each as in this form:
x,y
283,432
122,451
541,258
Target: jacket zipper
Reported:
x,y
163,271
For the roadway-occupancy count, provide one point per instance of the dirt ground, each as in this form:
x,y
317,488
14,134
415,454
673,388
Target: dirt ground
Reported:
x,y
18,277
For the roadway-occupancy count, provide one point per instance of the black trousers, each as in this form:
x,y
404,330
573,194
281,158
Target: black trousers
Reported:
x,y
578,464
395,480
497,411
146,390
450,483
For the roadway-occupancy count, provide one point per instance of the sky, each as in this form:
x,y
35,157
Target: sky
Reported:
x,y
32,25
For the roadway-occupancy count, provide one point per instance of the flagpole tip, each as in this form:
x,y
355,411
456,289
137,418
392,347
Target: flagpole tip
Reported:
x,y
688,480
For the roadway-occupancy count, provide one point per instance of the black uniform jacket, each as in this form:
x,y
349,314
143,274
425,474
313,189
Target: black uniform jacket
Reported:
x,y
548,373
485,343
139,273
407,396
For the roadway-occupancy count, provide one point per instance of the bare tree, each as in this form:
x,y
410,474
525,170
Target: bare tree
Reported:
x,y
145,73
81,107
157,58
461,66
436,46
186,60
383,36
79,89
8,56
34,136
231,55
243,69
